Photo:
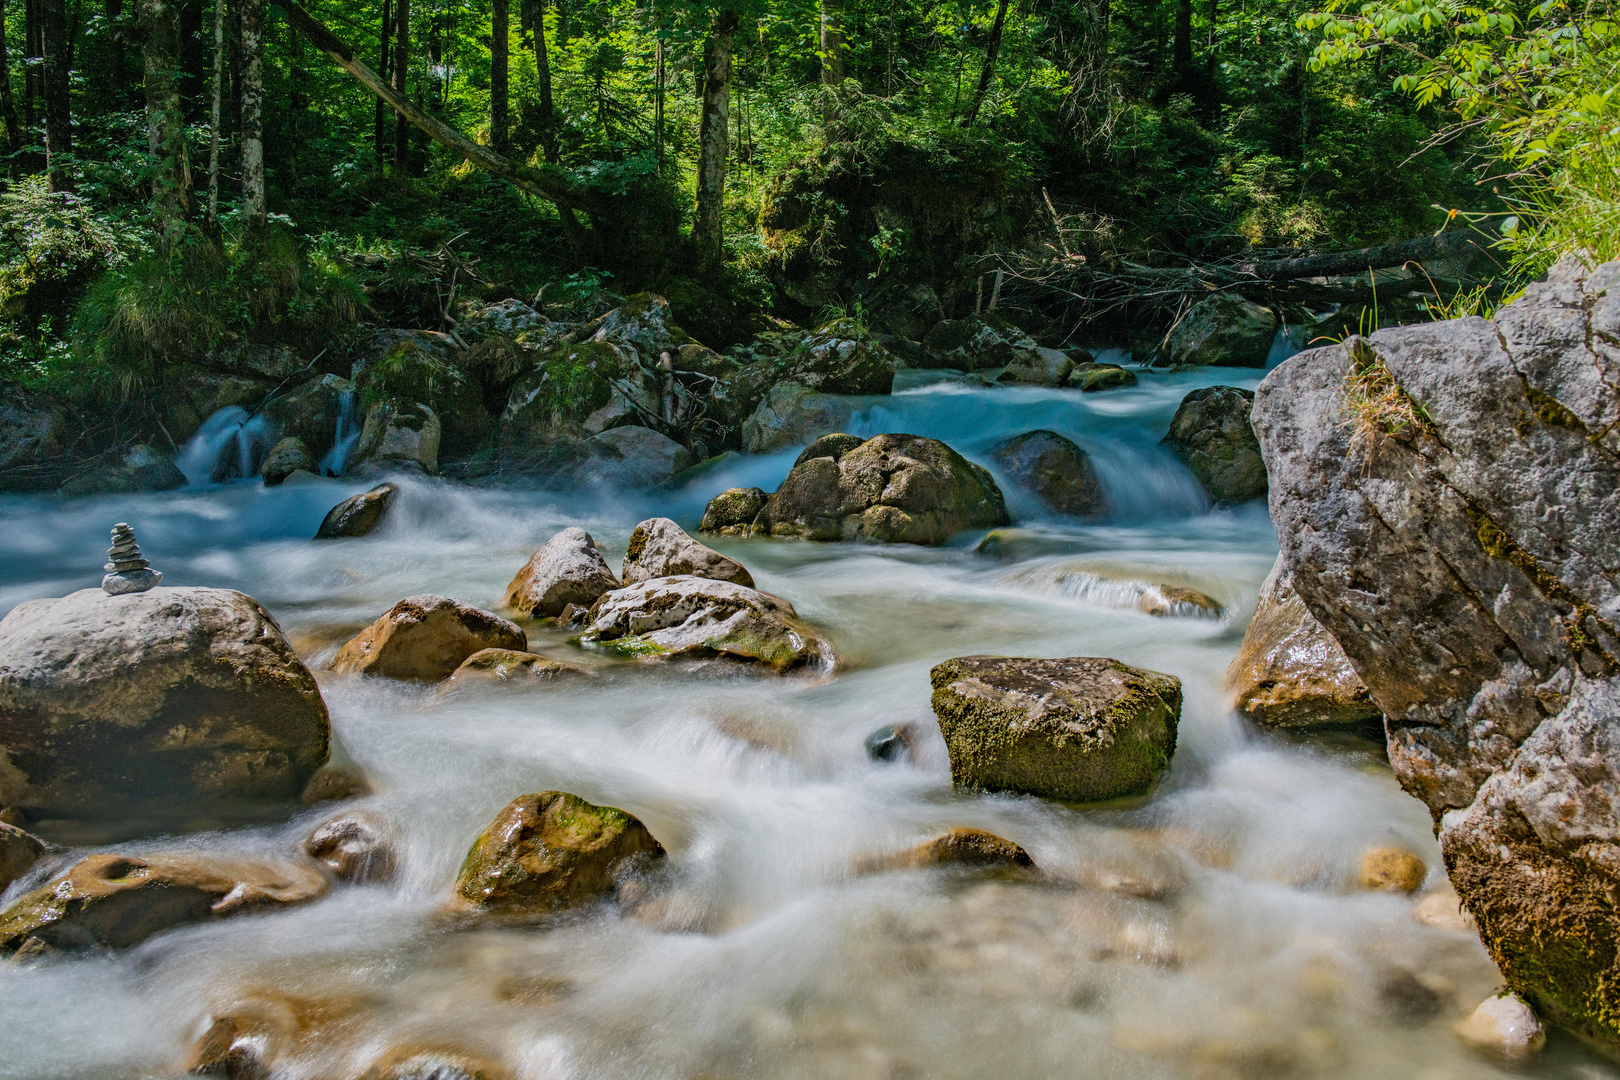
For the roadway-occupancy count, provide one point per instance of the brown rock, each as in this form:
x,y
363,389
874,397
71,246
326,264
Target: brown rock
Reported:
x,y
358,514
659,548
510,665
334,782
19,850
567,570
1055,469
356,846
425,638
435,1063
1392,870
959,847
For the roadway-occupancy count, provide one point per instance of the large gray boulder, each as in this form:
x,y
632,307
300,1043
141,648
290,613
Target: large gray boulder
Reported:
x,y
635,456
397,435
660,548
1212,434
792,415
977,342
165,700
837,358
568,569
1447,498
1222,331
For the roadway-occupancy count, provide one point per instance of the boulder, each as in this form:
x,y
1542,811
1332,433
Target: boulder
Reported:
x,y
642,323
33,430
356,846
509,316
1080,729
112,900
1056,470
510,665
1388,869
1211,433
1092,377
182,698
1223,331
140,468
892,742
358,514
790,415
1447,500
1039,366
1504,1027
434,1063
977,342
19,850
288,456
732,512
1290,673
567,570
694,617
548,852
837,358
310,412
635,456
425,638
660,548
420,366
889,489
560,400
397,435
972,848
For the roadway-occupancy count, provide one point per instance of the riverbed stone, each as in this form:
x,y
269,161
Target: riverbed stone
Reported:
x,y
1223,330
635,456
568,569
1212,434
792,414
113,900
694,618
1389,869
288,456
836,358
1079,729
975,343
512,666
359,514
139,468
399,435
1056,470
356,846
19,850
171,699
1504,1027
889,489
1290,672
548,852
660,548
970,848
1094,377
1038,366
732,512
417,1062
425,638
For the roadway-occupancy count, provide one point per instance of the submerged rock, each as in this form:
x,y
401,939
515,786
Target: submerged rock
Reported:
x,y
891,489
1504,1027
510,665
732,512
686,616
1211,433
19,850
567,570
660,548
1224,331
425,638
973,848
356,846
1055,469
358,514
1290,672
288,456
115,901
1081,729
1093,377
1388,869
891,742
548,852
176,699
793,414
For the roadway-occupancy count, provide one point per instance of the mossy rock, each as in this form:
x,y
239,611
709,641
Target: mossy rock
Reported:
x,y
732,512
552,403
416,368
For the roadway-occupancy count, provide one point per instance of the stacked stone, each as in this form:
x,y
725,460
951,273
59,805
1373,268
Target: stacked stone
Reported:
x,y
127,570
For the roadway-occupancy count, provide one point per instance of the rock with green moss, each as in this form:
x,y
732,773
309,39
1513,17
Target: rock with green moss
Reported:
x,y
642,323
1079,729
549,852
19,850
398,437
1092,377
139,468
559,401
1212,434
732,512
979,342
792,415
1038,366
285,458
697,618
1223,331
309,411
421,366
902,489
837,358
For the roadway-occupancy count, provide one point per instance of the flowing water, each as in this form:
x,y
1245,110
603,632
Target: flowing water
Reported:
x,y
1210,931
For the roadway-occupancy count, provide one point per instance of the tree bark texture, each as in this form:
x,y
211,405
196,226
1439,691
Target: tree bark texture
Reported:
x,y
193,59
384,54
708,230
402,63
165,130
58,113
548,107
498,43
216,111
1181,46
988,71
832,42
253,200
33,57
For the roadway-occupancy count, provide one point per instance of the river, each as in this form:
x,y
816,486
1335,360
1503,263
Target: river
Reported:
x,y
1211,931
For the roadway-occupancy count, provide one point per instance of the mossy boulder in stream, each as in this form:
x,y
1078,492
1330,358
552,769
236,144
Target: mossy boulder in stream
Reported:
x,y
732,512
549,852
1079,729
1212,434
1055,470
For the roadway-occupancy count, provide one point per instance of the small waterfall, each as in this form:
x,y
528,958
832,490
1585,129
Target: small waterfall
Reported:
x,y
348,433
231,443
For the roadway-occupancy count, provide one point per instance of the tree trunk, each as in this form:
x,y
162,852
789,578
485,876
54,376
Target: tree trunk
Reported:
x,y
548,107
1181,47
658,100
58,114
165,131
402,62
832,42
8,105
708,230
252,131
117,84
498,42
215,112
384,37
989,69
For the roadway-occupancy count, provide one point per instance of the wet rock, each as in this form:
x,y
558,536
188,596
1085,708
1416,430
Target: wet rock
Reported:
x,y
1093,377
435,1063
1443,910
19,850
169,699
693,617
236,1048
891,742
398,435
114,901
1081,729
1055,469
1462,554
792,414
660,548
1504,1027
33,429
422,367
1038,367
358,514
425,638
1101,582
549,852
334,782
1389,869
1225,331
1290,672
356,846
834,359
732,512
510,665
550,407
288,456
567,570
1211,433
835,446
976,342
635,456
973,848
889,489
310,411
140,468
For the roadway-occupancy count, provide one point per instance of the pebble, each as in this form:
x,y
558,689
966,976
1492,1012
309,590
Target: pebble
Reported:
x,y
1504,1027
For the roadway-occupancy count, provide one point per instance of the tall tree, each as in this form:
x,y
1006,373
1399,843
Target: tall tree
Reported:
x,y
542,67
165,130
708,229
402,62
832,42
385,37
8,105
1181,58
215,112
987,72
58,109
498,43
254,213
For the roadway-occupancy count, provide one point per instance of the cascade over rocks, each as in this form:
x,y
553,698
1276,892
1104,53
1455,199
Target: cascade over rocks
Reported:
x,y
1223,331
1290,672
1447,498
358,514
310,411
1056,470
1093,377
901,489
1081,729
1212,434
732,512
660,548
173,699
425,638
19,850
355,846
567,570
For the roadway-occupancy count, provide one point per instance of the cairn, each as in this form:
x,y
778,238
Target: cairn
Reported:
x,y
127,570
